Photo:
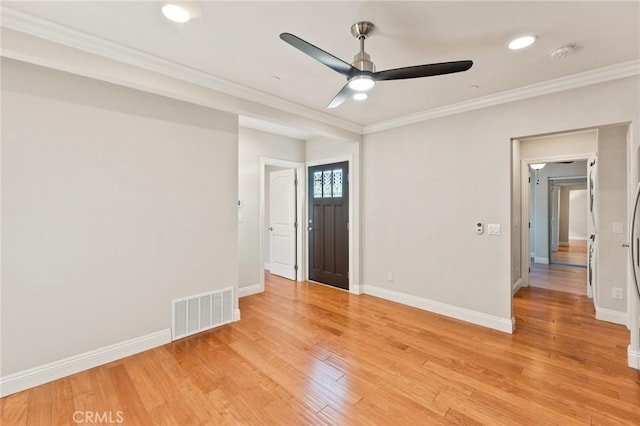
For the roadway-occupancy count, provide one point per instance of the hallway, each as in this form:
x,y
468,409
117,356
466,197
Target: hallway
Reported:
x,y
569,279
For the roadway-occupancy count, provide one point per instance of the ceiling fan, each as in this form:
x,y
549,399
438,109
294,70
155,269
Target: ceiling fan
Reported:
x,y
361,74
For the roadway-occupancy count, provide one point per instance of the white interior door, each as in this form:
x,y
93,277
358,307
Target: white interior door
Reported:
x,y
592,194
282,226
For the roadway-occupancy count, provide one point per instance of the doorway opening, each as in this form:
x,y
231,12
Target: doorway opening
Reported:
x,y
281,215
568,221
547,170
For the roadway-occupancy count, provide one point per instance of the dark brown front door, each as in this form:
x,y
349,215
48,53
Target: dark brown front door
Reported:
x,y
329,224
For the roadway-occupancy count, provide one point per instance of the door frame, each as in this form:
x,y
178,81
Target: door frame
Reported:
x,y
300,212
525,260
354,222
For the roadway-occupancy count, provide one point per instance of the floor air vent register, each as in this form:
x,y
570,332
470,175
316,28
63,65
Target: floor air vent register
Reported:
x,y
193,314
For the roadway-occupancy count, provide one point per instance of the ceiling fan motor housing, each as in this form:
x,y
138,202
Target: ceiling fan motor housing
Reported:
x,y
362,61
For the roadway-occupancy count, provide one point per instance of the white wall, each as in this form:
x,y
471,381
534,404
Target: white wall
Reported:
x,y
114,202
577,213
254,144
611,207
426,184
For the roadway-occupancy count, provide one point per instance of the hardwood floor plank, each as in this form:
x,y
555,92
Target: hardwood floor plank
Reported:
x,y
309,354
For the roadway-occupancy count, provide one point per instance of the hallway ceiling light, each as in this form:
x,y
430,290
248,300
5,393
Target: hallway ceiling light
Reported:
x,y
537,166
176,13
360,96
522,42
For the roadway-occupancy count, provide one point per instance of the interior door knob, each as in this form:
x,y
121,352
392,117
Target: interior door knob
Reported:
x,y
271,228
310,229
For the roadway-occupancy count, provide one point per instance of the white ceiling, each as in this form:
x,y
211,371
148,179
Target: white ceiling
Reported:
x,y
238,41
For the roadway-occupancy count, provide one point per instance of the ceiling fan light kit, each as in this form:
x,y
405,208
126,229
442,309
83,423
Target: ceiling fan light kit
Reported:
x,y
361,74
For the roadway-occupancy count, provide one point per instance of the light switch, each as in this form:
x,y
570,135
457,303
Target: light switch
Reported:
x,y
617,228
493,229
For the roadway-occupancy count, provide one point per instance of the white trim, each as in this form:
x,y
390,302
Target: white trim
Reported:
x,y
250,290
574,81
236,315
474,317
633,358
29,24
42,374
543,260
267,266
516,286
610,315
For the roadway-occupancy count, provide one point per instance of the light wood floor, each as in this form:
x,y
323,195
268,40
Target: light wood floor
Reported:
x,y
573,254
309,354
560,278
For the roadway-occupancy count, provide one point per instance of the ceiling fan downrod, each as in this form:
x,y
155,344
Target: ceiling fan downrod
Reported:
x,y
362,60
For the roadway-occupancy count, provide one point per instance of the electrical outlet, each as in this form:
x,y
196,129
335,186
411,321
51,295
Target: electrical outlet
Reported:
x,y
389,276
617,293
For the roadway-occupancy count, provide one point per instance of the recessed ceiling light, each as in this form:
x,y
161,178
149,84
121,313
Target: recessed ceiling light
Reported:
x,y
522,42
537,166
360,96
176,13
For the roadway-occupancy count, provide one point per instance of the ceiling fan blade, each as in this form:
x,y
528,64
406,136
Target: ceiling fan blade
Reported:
x,y
423,70
319,55
342,96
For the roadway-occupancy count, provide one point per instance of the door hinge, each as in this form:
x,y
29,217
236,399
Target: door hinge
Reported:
x,y
529,225
529,179
529,269
295,225
295,267
347,226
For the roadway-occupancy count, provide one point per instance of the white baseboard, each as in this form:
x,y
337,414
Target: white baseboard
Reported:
x,y
474,317
609,315
563,243
578,238
355,289
543,260
236,315
267,266
42,374
249,290
516,286
633,358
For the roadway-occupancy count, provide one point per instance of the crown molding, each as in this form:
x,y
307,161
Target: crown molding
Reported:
x,y
29,24
574,81
60,34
